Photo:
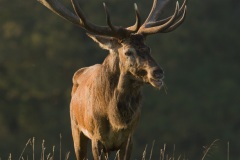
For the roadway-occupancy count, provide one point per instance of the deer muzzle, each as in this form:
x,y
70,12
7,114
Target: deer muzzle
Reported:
x,y
156,78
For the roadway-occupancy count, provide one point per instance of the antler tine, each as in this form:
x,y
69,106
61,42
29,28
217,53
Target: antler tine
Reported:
x,y
170,22
183,6
155,11
90,27
131,29
157,29
80,19
152,26
113,28
79,12
178,23
137,24
160,22
60,10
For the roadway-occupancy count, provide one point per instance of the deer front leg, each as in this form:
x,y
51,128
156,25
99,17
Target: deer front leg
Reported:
x,y
80,143
125,151
98,151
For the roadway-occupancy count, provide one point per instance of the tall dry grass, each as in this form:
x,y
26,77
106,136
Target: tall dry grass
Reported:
x,y
145,155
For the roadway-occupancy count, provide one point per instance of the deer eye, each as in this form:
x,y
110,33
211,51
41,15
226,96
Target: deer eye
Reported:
x,y
128,53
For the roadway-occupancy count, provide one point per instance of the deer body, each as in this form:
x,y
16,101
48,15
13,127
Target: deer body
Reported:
x,y
105,104
96,113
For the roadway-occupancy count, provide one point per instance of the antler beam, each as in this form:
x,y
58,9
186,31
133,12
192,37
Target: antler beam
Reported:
x,y
150,26
80,20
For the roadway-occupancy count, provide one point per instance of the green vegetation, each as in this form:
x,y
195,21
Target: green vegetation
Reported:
x,y
39,52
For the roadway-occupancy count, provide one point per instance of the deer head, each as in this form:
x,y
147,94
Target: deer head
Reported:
x,y
128,43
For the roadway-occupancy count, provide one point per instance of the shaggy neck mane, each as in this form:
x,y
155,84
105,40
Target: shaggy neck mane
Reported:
x,y
122,94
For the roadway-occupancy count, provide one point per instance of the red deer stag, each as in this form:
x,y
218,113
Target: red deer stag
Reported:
x,y
105,104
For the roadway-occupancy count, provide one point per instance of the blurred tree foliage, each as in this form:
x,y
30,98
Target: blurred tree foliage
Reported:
x,y
39,53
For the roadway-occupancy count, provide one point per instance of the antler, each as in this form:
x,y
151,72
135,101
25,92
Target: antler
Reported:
x,y
80,20
152,26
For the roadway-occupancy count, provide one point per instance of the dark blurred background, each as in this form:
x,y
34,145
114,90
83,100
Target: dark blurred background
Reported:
x,y
39,53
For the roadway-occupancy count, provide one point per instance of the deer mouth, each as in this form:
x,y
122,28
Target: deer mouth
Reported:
x,y
157,83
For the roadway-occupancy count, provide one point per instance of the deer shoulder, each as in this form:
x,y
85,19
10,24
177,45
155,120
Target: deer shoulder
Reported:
x,y
83,75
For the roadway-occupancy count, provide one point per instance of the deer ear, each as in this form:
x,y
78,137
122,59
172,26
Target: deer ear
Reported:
x,y
108,43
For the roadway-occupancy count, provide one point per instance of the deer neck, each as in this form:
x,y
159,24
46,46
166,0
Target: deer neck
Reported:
x,y
121,80
124,107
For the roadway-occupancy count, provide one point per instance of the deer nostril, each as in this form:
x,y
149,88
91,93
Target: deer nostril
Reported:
x,y
158,73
